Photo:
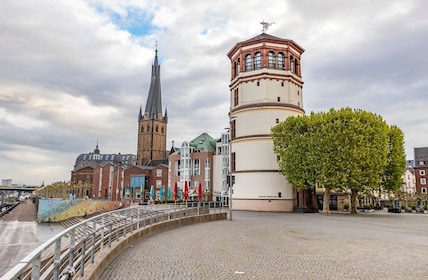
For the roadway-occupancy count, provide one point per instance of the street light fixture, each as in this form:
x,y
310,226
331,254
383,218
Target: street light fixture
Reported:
x,y
230,177
118,164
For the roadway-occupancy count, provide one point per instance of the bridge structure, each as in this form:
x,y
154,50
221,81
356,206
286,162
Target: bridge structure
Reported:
x,y
17,189
86,248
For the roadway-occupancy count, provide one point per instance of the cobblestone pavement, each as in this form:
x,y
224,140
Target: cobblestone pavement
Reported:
x,y
259,245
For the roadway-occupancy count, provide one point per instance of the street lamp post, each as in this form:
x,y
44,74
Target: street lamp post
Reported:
x,y
119,163
229,179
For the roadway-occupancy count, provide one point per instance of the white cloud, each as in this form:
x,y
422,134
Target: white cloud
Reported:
x,y
74,72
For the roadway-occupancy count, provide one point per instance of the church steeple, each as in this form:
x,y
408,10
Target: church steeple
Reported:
x,y
152,124
153,108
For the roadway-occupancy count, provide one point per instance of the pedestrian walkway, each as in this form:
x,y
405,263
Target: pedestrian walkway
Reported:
x,y
25,211
258,245
20,234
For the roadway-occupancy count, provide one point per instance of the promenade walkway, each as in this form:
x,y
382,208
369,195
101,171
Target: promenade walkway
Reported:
x,y
20,234
257,245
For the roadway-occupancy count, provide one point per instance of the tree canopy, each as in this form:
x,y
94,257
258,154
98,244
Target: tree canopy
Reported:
x,y
344,149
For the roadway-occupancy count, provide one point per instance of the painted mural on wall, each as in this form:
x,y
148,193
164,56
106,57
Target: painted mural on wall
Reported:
x,y
59,210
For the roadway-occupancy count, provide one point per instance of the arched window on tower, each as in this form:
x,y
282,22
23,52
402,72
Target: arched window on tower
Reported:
x,y
295,66
248,62
239,66
162,130
234,70
291,64
235,97
157,129
148,128
142,129
257,61
271,60
281,65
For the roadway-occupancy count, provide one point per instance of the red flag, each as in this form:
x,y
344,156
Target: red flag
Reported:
x,y
200,192
175,195
186,191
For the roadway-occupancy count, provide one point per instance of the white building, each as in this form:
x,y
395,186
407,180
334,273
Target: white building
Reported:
x,y
265,88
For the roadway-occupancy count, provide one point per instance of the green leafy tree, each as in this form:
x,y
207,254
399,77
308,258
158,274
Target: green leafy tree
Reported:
x,y
396,161
342,149
362,140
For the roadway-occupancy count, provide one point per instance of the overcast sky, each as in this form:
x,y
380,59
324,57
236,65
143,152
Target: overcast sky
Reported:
x,y
73,71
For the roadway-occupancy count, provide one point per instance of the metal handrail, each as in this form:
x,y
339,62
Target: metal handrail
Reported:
x,y
71,250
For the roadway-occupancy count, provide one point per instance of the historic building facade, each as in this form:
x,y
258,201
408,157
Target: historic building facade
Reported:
x,y
421,170
193,163
265,88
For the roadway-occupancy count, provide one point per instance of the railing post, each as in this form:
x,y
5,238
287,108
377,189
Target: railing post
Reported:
x,y
102,233
57,258
93,248
132,222
117,231
83,252
124,224
109,234
35,271
138,218
72,247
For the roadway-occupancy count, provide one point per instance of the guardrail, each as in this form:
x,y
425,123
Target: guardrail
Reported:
x,y
9,207
70,251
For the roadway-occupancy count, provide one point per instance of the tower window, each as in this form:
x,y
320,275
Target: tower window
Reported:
x,y
258,83
298,93
277,120
279,99
295,66
235,97
281,61
233,161
157,129
248,62
291,64
271,60
258,61
162,130
282,84
142,129
239,66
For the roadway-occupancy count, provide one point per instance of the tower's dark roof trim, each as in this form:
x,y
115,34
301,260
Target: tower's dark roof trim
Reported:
x,y
265,37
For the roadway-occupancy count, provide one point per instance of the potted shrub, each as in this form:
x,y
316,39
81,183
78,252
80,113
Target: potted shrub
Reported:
x,y
346,206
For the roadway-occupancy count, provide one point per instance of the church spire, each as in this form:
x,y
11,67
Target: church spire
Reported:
x,y
153,108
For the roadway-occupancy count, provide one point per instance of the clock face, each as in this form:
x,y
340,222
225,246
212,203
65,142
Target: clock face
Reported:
x,y
146,115
160,116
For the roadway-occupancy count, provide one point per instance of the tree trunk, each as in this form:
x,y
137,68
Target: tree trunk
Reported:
x,y
354,195
326,202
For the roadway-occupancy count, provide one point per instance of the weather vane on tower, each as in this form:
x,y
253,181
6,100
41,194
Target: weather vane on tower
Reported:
x,y
265,25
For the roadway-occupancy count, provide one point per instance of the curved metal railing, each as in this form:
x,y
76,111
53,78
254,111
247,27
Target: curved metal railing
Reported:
x,y
71,250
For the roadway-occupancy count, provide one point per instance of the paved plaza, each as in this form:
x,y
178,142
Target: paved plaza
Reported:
x,y
257,245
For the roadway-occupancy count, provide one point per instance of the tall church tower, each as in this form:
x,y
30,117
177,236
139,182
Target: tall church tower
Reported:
x,y
152,124
265,88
